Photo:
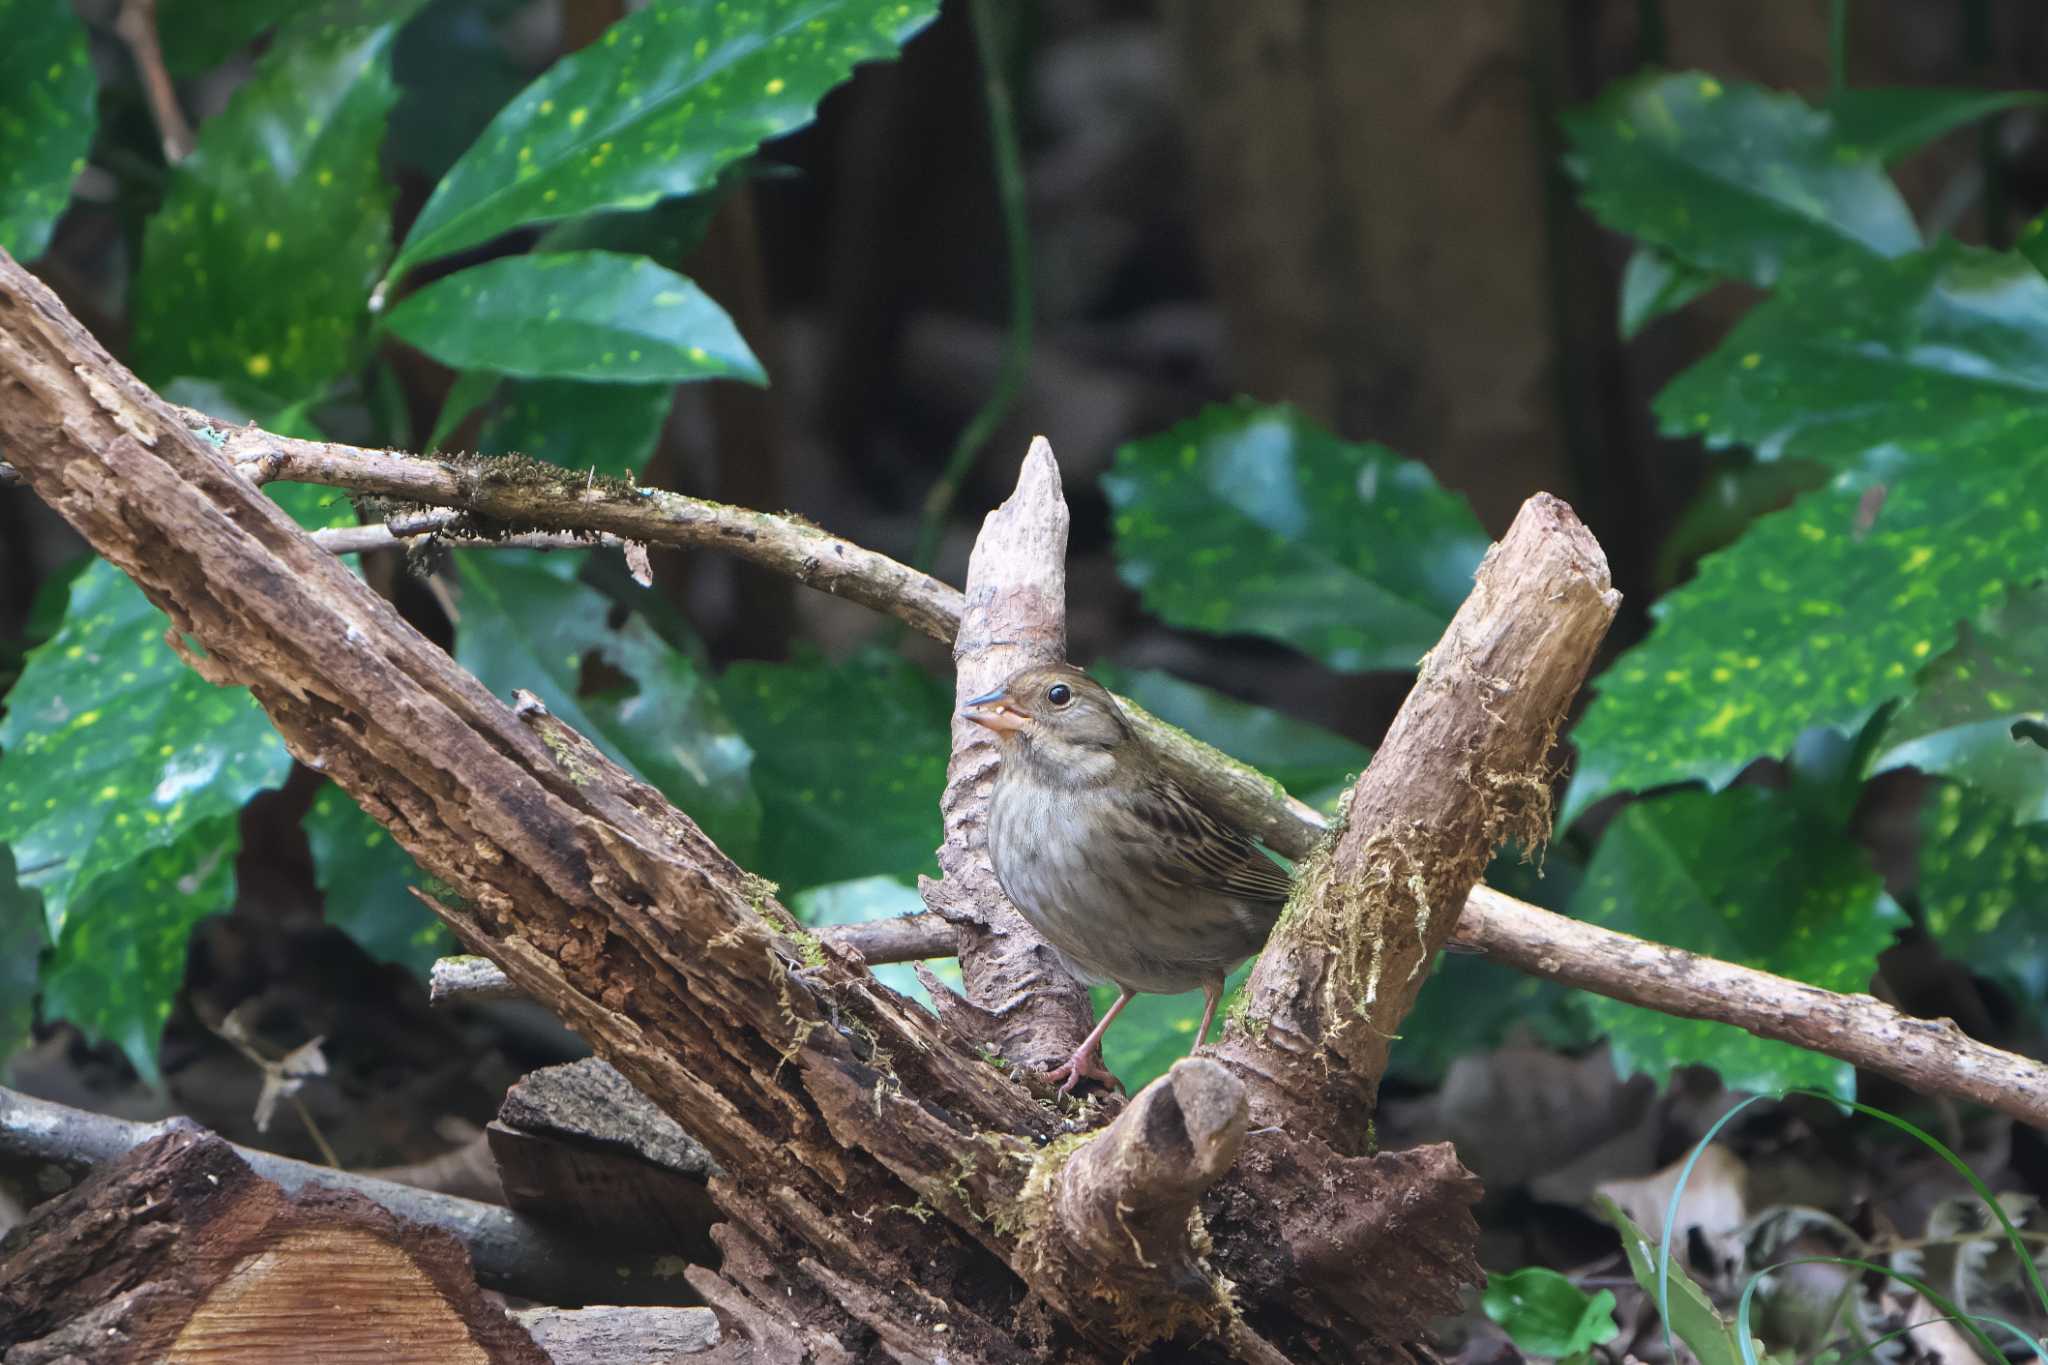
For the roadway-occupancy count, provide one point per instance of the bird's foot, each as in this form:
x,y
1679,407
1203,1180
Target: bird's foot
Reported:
x,y
1086,1063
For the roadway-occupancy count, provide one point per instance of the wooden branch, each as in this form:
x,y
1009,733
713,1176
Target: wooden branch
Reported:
x,y
1465,763
136,25
899,938
1025,1004
607,1336
511,1252
1929,1056
177,1250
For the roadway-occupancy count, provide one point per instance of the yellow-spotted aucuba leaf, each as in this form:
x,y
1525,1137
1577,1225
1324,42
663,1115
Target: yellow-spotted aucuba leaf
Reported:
x,y
1309,761
1655,283
21,948
48,110
655,108
257,270
1732,179
849,759
527,623
1749,876
1891,122
1979,713
120,960
1934,360
366,882
1983,883
1249,519
611,428
1819,615
588,315
112,749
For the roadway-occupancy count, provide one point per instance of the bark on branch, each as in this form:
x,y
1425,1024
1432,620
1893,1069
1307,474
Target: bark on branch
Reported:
x,y
1465,763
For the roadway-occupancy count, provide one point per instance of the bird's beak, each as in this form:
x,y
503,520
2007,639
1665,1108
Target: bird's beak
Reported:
x,y
996,711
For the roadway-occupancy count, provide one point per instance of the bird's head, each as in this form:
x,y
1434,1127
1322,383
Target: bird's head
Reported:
x,y
1055,712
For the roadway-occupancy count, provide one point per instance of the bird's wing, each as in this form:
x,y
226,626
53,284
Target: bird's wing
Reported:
x,y
1197,849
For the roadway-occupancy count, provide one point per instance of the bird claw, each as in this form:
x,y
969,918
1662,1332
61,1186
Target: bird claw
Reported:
x,y
1085,1063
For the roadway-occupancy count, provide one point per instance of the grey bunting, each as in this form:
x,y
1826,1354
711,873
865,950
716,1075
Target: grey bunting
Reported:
x,y
1129,877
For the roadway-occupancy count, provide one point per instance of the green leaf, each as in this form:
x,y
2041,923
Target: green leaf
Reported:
x,y
114,749
1155,1031
1733,496
366,879
1693,1319
526,623
1906,359
591,315
611,428
1891,123
656,108
258,267
1546,1314
850,759
1311,762
1983,881
872,898
667,232
1653,284
1249,519
48,109
1747,876
21,949
1732,179
120,958
1919,379
1978,715
472,389
198,35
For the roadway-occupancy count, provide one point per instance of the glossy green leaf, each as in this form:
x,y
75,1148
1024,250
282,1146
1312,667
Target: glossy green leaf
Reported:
x,y
48,109
1311,762
1919,380
611,428
850,759
120,959
2033,243
1895,121
198,35
1693,1318
1733,495
257,269
591,315
367,880
667,98
21,948
1155,1031
526,623
1931,355
1546,1314
872,898
1250,519
667,231
1732,179
1980,712
1747,876
1983,883
1653,284
113,748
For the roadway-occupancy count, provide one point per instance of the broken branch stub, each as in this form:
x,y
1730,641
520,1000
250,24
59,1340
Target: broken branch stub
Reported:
x,y
1025,1004
1465,765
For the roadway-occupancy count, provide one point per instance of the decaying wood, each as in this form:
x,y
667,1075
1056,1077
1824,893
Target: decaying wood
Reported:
x,y
511,1252
622,1336
578,1148
1466,763
178,1251
1025,1004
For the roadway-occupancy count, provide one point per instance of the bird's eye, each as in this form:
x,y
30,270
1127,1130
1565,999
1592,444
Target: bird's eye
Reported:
x,y
1059,694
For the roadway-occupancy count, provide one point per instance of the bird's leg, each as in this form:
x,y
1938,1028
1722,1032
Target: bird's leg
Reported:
x,y
1212,995
1087,1058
